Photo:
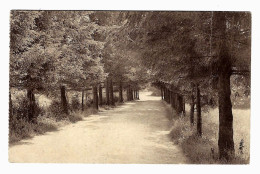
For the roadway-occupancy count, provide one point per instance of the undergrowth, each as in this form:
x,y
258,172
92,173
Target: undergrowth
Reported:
x,y
204,149
47,119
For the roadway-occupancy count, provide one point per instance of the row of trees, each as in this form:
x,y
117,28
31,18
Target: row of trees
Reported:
x,y
190,55
53,51
195,54
132,93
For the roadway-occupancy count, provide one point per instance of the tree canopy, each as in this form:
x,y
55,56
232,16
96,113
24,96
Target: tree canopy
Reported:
x,y
52,50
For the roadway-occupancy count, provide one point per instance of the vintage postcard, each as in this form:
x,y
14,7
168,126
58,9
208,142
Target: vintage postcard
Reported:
x,y
129,87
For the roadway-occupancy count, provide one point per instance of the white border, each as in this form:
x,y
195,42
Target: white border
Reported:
x,y
198,5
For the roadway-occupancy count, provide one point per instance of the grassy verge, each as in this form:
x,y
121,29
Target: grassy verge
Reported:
x,y
204,150
21,129
49,113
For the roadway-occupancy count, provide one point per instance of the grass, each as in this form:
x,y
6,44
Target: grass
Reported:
x,y
204,150
48,120
20,129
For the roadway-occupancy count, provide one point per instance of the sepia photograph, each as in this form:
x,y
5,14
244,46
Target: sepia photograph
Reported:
x,y
129,87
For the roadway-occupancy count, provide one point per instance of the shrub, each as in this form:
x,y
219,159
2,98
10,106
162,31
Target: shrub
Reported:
x,y
20,110
56,110
20,129
48,120
89,102
204,150
75,104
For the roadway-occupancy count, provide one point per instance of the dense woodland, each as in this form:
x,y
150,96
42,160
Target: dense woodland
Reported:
x,y
197,58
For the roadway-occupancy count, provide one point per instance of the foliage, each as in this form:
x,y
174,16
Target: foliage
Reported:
x,y
56,109
204,150
75,104
81,49
20,109
21,129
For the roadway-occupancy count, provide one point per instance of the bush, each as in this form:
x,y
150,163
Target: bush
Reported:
x,y
20,110
204,150
21,128
56,109
75,104
46,120
89,102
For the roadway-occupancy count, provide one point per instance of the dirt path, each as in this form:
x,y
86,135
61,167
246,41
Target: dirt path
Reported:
x,y
136,132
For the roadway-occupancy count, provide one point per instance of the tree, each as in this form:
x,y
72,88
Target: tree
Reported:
x,y
199,122
54,50
28,65
192,108
100,95
178,51
186,48
95,97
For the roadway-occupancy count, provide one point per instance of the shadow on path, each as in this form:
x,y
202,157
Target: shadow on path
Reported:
x,y
135,132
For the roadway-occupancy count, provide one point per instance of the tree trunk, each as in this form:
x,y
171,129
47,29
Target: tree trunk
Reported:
x,y
138,95
199,123
162,92
225,141
100,95
174,100
127,93
86,98
111,93
10,106
183,104
64,102
130,93
95,97
192,109
107,93
82,101
120,92
31,109
179,103
167,96
170,97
